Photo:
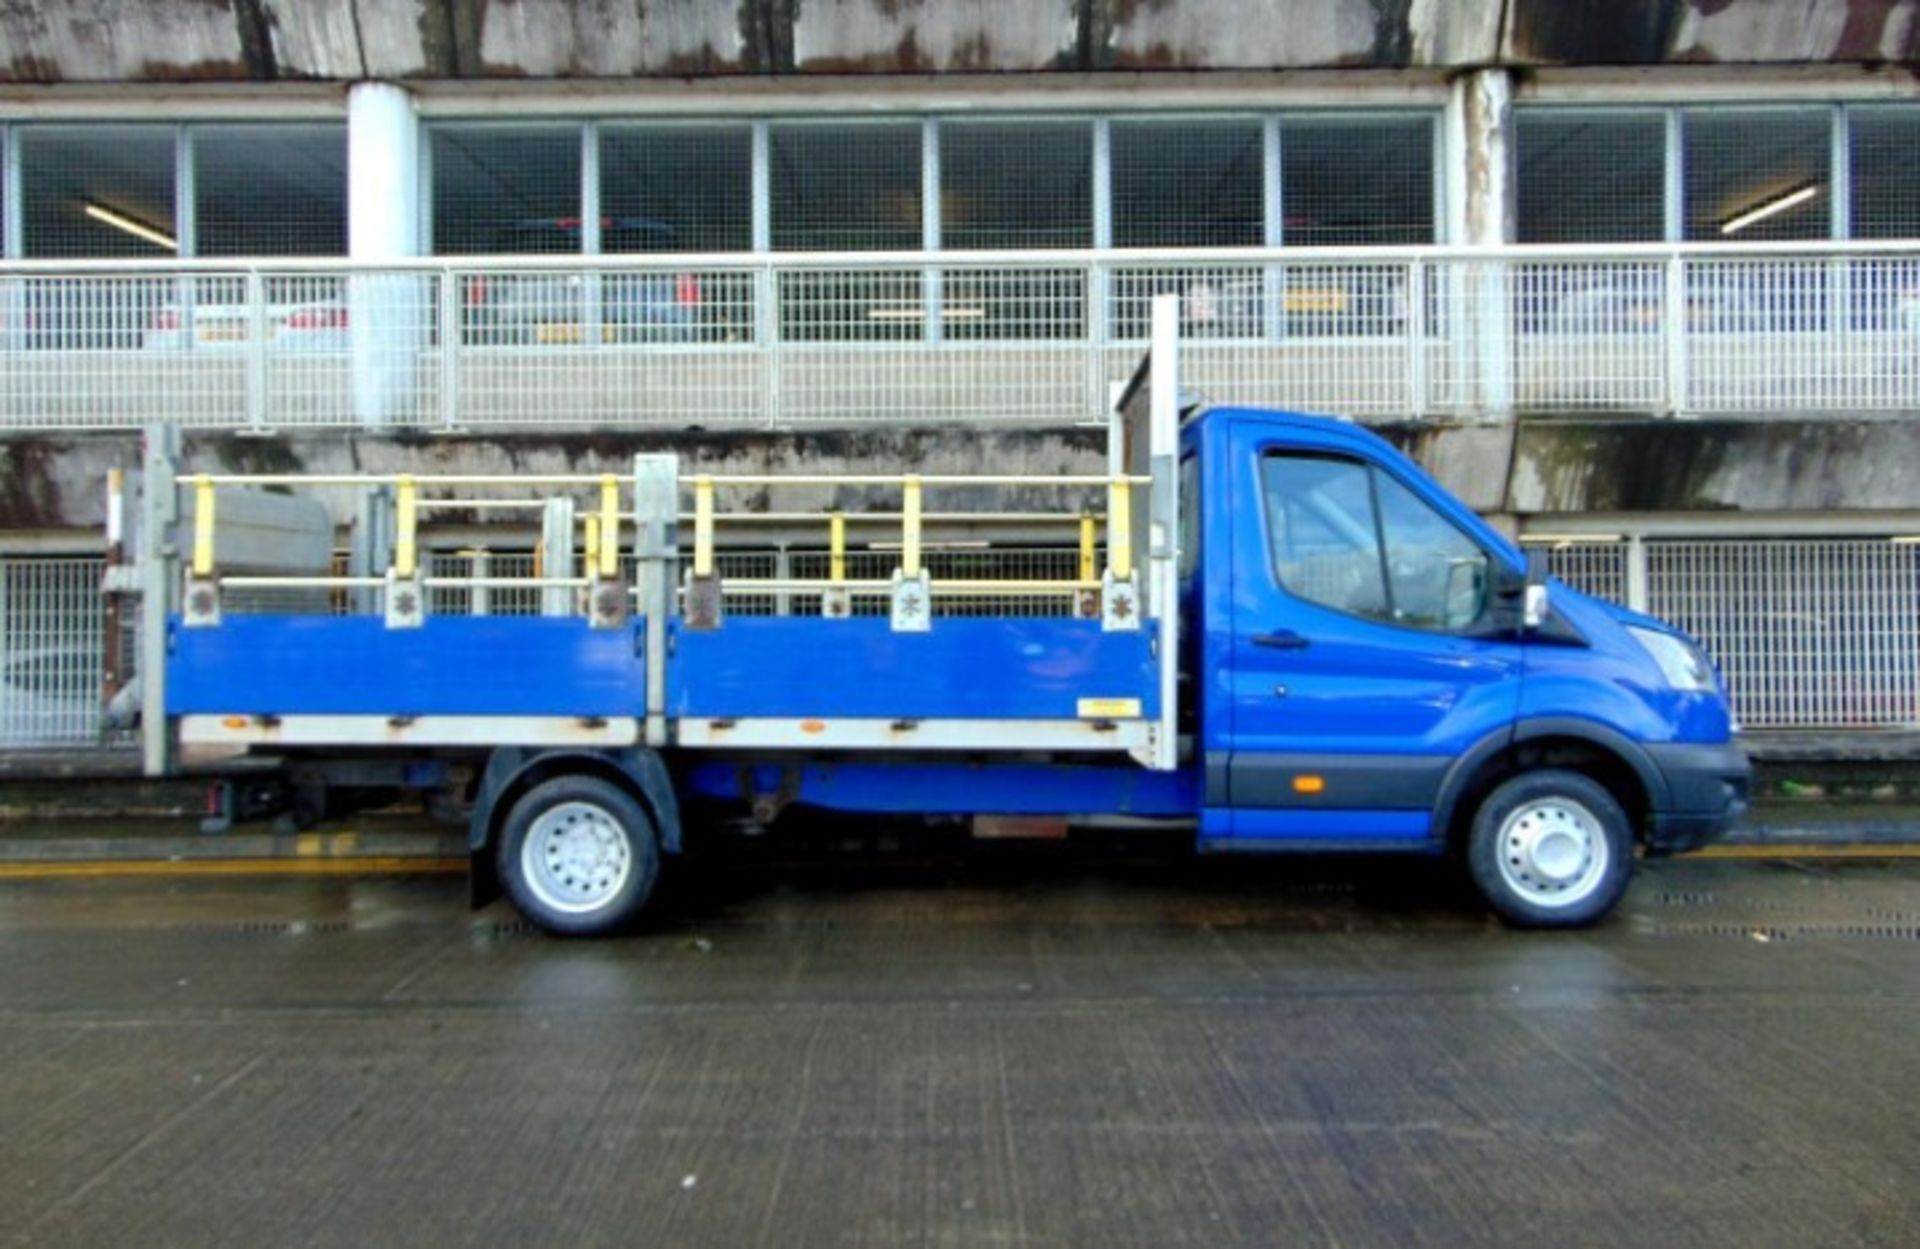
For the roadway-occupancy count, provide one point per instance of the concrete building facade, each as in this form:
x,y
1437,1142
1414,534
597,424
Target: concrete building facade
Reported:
x,y
1641,279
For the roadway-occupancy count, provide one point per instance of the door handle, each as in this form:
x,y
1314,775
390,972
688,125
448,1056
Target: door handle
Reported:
x,y
1282,640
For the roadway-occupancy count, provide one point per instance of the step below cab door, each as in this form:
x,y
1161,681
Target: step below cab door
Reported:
x,y
1361,651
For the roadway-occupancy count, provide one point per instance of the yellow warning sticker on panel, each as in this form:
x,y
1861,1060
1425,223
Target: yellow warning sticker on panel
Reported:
x,y
1109,709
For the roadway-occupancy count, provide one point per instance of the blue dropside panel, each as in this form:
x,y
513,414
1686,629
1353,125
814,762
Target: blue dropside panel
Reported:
x,y
451,665
1014,669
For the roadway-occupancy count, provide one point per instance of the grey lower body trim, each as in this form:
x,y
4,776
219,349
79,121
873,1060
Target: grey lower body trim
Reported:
x,y
1349,782
1328,845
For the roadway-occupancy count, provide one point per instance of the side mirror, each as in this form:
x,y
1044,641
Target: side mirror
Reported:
x,y
1535,606
1520,601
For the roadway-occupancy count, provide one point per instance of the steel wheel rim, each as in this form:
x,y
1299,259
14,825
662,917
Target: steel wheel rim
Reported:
x,y
576,857
1553,852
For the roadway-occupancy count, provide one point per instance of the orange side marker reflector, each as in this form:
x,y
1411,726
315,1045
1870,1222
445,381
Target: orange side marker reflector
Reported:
x,y
235,722
813,726
1309,784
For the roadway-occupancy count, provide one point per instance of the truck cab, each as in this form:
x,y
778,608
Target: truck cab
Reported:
x,y
1373,667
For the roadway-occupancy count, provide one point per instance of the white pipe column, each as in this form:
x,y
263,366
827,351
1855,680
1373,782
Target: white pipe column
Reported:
x,y
388,314
1481,198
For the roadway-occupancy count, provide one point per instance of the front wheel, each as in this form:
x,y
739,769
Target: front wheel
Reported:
x,y
1550,849
579,856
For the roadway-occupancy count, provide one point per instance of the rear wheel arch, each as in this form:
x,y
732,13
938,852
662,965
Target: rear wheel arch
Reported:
x,y
512,771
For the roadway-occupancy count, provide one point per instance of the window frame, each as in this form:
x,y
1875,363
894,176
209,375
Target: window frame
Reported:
x,y
1477,627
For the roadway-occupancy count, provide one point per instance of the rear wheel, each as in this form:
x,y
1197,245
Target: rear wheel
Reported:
x,y
1550,849
579,856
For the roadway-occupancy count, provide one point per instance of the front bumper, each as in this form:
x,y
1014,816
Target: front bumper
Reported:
x,y
1708,787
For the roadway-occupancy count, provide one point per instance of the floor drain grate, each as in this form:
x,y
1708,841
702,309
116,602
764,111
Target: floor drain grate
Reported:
x,y
1792,932
272,927
1687,897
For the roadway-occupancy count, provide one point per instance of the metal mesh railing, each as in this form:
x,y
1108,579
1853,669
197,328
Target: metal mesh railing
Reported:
x,y
1006,563
940,337
1810,634
52,651
1596,567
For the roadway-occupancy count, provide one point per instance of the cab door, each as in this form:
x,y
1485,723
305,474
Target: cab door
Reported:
x,y
1361,654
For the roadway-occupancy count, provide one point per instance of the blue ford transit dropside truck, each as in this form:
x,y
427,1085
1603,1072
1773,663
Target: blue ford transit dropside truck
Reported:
x,y
1281,633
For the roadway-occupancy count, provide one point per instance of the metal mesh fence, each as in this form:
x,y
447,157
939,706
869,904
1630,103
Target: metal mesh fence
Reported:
x,y
846,187
483,600
1811,633
52,651
1356,181
983,563
1590,177
1598,568
270,190
1016,184
799,343
682,188
506,189
103,191
1758,174
1188,183
1587,335
1886,178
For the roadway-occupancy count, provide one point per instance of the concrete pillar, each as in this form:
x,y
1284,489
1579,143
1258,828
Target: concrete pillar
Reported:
x,y
1480,212
388,313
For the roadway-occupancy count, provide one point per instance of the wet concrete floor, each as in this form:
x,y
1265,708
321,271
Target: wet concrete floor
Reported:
x,y
1015,1048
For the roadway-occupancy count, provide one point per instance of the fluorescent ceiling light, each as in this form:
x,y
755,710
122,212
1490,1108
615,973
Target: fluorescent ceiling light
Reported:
x,y
1770,208
884,312
1568,539
106,216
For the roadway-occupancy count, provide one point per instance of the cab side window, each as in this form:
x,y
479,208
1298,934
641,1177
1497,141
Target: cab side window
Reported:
x,y
1436,576
1347,536
1326,543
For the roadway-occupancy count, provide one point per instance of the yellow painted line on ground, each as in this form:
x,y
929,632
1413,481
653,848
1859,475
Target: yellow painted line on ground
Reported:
x,y
1806,852
363,865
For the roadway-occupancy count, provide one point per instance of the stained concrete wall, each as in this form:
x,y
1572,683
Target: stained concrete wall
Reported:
x,y
48,41
1606,465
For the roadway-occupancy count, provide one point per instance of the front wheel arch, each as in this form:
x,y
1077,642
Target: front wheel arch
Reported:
x,y
1495,761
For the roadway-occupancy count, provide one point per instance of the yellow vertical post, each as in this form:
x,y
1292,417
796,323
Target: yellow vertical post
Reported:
x,y
703,526
910,526
405,521
609,565
592,545
1087,570
203,526
1120,528
837,548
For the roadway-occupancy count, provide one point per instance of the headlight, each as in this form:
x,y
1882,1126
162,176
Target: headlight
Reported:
x,y
1684,665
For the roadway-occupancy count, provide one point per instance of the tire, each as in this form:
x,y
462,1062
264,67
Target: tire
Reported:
x,y
579,856
1550,849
